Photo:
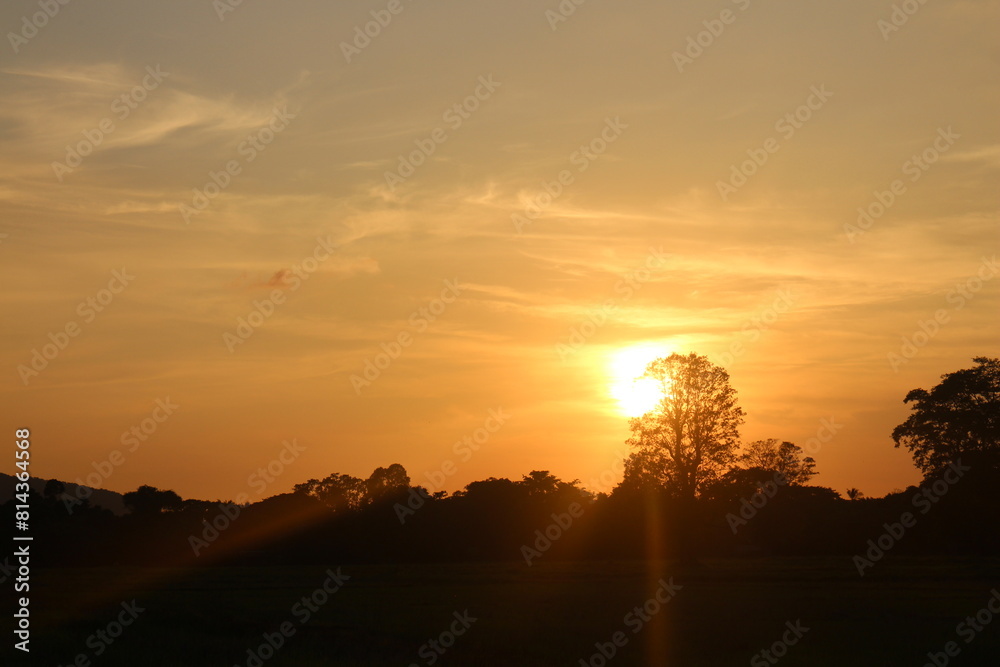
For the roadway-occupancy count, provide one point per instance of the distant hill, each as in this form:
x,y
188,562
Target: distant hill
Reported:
x,y
109,500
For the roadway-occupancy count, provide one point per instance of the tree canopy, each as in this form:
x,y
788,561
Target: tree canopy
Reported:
x,y
961,415
346,493
151,500
691,436
773,455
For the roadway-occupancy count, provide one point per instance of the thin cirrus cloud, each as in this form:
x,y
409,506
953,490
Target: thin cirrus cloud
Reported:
x,y
324,175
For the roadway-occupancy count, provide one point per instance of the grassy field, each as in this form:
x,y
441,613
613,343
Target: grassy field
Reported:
x,y
548,614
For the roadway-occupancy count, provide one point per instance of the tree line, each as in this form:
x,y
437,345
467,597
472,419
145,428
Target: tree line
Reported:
x,y
690,489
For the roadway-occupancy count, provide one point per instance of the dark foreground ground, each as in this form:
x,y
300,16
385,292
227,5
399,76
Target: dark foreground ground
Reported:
x,y
549,614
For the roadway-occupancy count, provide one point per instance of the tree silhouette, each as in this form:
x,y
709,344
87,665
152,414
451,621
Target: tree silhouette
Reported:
x,y
385,482
53,489
691,436
151,500
644,471
338,491
782,457
540,483
961,415
854,494
501,491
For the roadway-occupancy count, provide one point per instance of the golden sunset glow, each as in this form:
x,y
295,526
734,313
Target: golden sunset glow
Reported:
x,y
519,310
345,245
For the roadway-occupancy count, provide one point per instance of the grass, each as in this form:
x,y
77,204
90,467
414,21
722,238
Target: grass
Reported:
x,y
548,614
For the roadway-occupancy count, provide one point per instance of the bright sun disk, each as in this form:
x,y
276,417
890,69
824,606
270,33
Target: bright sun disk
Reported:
x,y
635,395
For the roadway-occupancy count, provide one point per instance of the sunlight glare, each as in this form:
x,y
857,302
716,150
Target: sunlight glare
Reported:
x,y
635,395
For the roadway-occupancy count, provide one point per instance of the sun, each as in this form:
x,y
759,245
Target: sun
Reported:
x,y
635,395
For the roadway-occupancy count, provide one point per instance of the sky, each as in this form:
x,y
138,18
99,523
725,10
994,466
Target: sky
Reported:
x,y
218,218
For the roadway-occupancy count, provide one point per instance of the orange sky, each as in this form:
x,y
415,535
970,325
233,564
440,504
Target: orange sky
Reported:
x,y
562,176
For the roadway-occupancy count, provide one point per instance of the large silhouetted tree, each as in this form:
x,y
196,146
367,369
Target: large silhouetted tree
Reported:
x,y
691,436
960,416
